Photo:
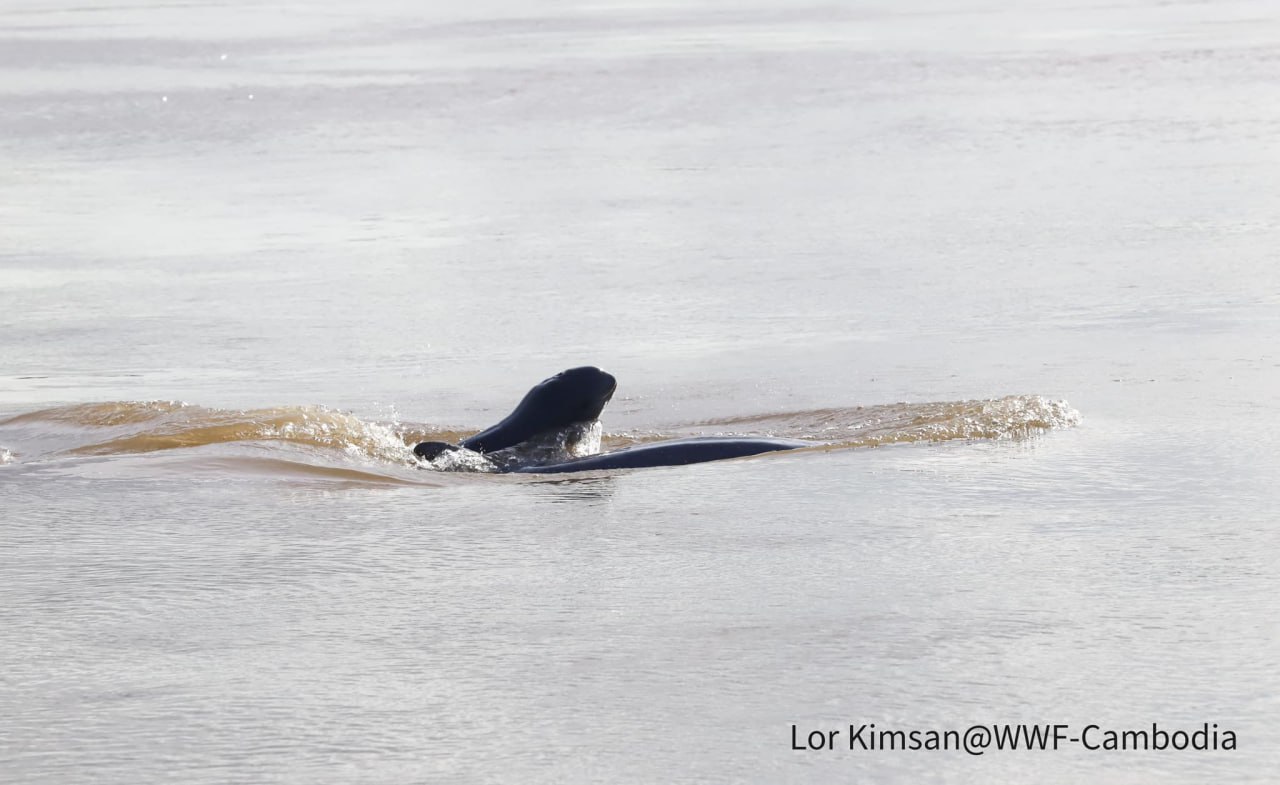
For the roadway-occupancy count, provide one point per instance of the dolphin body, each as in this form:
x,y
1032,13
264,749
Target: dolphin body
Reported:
x,y
560,409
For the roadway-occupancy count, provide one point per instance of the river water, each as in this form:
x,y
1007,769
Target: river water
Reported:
x,y
1017,265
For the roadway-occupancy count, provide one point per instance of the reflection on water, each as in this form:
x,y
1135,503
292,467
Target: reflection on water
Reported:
x,y
573,490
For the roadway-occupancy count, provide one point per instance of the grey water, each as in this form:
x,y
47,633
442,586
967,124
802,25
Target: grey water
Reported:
x,y
370,220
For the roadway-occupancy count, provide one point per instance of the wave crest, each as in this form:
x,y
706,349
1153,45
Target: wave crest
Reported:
x,y
149,426
1010,417
127,427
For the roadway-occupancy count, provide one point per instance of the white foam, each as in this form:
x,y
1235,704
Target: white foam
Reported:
x,y
462,460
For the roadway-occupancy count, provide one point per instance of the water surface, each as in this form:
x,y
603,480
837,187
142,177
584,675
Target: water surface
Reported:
x,y
248,252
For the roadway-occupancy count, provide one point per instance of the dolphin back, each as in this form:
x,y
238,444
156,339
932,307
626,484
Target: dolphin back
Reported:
x,y
673,453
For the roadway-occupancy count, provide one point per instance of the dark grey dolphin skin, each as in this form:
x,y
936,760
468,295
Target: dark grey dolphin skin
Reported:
x,y
572,396
673,453
578,395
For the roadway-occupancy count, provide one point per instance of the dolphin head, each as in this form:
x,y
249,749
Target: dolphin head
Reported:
x,y
569,398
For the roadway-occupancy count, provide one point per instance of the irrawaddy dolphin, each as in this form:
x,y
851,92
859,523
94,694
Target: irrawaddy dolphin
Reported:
x,y
560,409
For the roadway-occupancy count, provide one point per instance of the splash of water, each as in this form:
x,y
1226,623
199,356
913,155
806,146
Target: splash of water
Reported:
x,y
578,440
150,426
114,428
462,460
1010,417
